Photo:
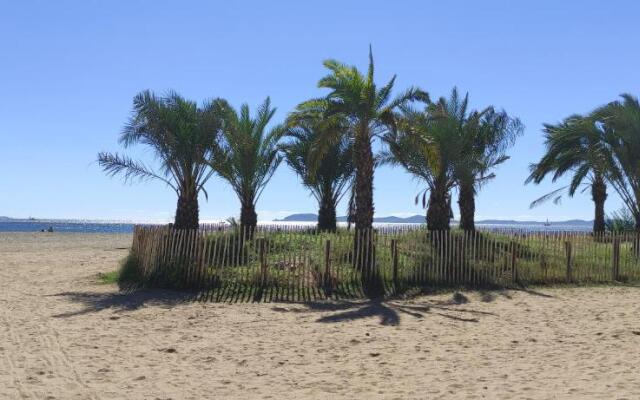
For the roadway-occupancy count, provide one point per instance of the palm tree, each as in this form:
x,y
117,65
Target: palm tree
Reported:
x,y
248,156
182,137
447,146
327,177
620,121
486,136
424,145
577,145
370,111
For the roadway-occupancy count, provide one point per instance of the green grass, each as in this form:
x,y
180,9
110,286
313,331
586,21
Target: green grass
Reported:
x,y
109,278
296,262
128,273
538,258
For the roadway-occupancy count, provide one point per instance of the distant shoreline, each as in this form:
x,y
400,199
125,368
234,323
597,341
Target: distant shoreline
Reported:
x,y
127,227
414,219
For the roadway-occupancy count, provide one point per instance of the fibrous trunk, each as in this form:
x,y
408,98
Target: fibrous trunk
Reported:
x,y
364,180
364,244
438,209
248,219
187,210
599,196
327,216
467,204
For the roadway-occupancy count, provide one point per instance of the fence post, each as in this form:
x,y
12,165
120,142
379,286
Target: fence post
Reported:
x,y
394,262
615,270
514,265
327,268
263,261
567,246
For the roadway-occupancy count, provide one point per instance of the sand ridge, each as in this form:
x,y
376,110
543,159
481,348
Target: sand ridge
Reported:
x,y
65,336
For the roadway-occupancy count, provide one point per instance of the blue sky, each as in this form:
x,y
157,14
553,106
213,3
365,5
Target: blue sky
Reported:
x,y
69,71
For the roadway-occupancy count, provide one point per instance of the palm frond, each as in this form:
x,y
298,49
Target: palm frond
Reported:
x,y
115,164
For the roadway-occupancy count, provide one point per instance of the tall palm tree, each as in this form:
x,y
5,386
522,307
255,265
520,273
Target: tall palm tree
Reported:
x,y
577,146
248,156
370,111
620,121
182,137
486,136
327,177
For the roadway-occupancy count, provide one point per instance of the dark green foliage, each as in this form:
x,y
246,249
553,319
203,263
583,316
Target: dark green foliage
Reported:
x,y
355,97
248,155
182,137
576,146
620,221
329,176
620,121
445,145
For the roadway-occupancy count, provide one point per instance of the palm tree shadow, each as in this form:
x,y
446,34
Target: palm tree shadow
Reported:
x,y
388,312
387,315
122,301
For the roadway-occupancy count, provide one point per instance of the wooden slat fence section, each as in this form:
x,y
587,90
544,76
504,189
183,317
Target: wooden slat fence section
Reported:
x,y
292,264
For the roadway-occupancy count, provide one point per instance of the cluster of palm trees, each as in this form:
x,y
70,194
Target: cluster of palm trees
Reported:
x,y
329,143
599,150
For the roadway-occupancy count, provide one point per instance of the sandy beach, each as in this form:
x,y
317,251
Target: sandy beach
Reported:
x,y
64,335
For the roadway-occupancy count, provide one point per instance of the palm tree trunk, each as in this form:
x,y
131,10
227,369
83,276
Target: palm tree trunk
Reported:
x,y
364,180
599,196
636,214
187,210
467,204
327,216
364,243
248,218
438,210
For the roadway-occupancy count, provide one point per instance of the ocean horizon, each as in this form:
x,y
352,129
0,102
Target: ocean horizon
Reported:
x,y
93,226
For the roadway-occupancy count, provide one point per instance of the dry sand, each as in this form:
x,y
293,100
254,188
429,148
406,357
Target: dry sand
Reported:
x,y
65,336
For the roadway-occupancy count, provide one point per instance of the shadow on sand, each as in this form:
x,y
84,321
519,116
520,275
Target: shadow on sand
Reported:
x,y
387,311
123,301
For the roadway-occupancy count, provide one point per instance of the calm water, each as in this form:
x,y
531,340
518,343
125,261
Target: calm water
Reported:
x,y
105,227
70,227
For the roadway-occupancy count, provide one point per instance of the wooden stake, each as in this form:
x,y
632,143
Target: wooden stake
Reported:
x,y
327,268
394,262
615,271
514,266
567,246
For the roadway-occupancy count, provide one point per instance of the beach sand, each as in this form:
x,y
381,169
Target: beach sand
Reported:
x,y
63,335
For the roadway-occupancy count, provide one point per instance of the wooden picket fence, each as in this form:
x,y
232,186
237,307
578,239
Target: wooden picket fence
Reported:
x,y
297,263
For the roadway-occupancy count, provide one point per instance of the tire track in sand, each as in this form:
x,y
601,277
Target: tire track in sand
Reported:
x,y
48,348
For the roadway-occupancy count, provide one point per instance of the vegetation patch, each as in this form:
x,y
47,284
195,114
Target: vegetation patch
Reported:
x,y
108,278
128,273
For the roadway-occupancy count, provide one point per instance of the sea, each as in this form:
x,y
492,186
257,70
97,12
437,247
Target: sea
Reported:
x,y
127,227
65,226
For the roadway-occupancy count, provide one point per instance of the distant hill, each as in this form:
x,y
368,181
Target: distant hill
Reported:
x,y
571,222
299,218
420,219
308,217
